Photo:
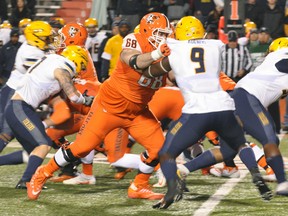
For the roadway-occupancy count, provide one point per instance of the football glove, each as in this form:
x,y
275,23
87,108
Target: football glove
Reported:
x,y
88,99
161,51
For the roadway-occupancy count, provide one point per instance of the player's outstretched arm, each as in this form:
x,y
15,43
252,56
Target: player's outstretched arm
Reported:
x,y
157,69
140,61
65,81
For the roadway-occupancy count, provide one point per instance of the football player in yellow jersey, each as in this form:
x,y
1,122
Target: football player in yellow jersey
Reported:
x,y
112,49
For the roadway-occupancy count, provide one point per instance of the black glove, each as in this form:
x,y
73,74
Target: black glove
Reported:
x,y
88,99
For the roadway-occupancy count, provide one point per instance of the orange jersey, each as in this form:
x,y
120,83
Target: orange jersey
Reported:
x,y
226,82
90,72
167,103
122,102
127,92
61,110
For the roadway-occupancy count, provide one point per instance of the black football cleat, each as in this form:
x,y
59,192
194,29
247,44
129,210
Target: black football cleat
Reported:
x,y
21,185
163,204
174,194
181,183
265,192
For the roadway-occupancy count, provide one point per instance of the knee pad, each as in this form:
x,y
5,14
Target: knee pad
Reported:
x,y
130,143
194,151
68,155
145,168
147,160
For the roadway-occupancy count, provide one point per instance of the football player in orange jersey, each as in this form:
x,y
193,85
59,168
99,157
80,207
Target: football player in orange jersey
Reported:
x,y
86,81
122,103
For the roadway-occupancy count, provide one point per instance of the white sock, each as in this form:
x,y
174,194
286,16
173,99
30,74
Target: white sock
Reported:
x,y
88,159
128,161
25,156
258,152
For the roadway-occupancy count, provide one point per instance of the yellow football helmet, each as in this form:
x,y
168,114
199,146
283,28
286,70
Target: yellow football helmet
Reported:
x,y
248,26
137,29
24,22
6,24
39,34
60,20
91,22
77,55
189,27
278,43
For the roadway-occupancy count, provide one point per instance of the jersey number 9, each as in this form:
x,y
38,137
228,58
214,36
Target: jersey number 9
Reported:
x,y
197,55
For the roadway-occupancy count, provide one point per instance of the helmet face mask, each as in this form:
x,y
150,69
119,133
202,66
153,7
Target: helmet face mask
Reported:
x,y
155,27
158,35
189,28
92,26
92,31
58,42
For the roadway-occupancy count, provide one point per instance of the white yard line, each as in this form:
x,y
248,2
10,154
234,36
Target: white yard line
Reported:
x,y
207,207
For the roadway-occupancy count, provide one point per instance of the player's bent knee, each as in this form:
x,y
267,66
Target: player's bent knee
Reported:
x,y
68,155
150,161
41,150
64,156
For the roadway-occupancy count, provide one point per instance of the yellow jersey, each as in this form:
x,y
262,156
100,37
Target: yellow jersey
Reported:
x,y
112,51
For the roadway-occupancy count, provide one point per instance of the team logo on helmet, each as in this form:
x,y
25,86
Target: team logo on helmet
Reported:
x,y
151,18
72,31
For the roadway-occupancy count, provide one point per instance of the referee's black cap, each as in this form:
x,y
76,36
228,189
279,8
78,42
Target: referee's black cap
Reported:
x,y
232,36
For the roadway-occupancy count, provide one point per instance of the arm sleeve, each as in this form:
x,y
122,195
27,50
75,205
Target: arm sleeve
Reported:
x,y
105,68
61,113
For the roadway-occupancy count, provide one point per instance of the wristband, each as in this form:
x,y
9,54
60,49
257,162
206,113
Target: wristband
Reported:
x,y
45,125
78,99
156,55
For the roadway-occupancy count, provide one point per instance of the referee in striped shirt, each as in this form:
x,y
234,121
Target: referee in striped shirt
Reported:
x,y
236,58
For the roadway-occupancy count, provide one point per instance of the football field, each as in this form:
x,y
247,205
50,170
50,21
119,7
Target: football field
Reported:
x,y
208,195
